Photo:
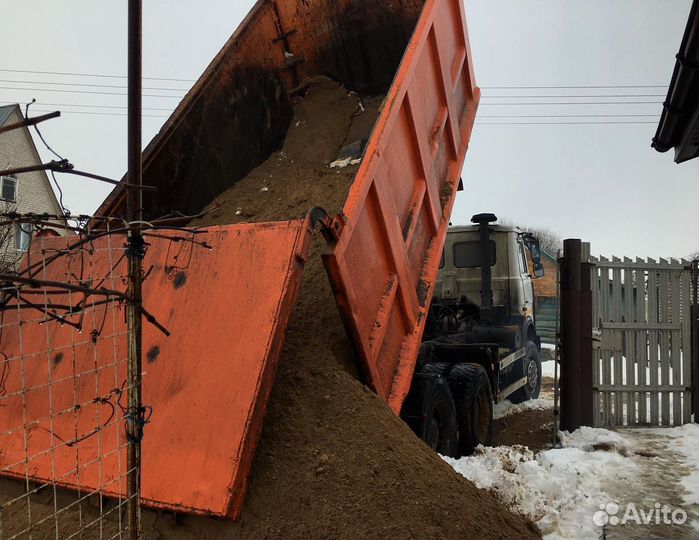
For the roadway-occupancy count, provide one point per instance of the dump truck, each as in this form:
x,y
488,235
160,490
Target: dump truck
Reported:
x,y
382,256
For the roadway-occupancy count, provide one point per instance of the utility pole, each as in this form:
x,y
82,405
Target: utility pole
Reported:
x,y
135,253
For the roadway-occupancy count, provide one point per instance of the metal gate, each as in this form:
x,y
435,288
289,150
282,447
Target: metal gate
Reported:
x,y
641,362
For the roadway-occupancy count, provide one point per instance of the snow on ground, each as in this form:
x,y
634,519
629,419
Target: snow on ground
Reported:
x,y
562,489
548,369
506,408
595,473
558,489
686,442
683,443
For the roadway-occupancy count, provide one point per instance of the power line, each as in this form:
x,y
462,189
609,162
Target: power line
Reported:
x,y
42,104
578,96
567,115
60,91
94,113
166,89
576,87
577,103
559,123
104,76
108,76
91,85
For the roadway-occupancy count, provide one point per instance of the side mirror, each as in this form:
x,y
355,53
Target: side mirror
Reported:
x,y
538,270
534,248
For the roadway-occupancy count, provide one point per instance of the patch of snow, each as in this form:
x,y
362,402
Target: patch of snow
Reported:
x,y
591,439
548,369
506,407
559,489
342,163
685,440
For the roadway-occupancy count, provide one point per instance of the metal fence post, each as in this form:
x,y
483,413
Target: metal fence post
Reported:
x,y
585,379
571,357
694,312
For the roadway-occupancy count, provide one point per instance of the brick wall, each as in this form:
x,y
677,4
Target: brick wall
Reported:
x,y
545,286
34,193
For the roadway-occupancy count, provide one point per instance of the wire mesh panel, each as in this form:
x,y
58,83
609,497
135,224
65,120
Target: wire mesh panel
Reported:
x,y
64,409
63,390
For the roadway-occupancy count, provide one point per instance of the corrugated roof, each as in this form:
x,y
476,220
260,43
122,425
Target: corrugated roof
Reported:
x,y
5,113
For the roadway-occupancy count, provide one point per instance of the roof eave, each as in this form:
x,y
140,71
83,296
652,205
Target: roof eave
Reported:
x,y
682,99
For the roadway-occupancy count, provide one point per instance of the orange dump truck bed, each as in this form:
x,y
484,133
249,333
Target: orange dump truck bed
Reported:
x,y
382,263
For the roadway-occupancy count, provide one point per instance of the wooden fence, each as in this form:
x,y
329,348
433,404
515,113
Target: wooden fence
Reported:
x,y
641,361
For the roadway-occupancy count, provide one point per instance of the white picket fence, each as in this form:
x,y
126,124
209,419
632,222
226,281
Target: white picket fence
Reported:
x,y
641,342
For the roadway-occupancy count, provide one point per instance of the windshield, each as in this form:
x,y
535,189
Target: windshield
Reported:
x,y
468,254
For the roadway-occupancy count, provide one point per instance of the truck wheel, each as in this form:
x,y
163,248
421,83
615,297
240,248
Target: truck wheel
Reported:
x,y
439,429
474,406
532,371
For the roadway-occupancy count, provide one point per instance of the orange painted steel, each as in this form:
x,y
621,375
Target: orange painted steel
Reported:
x,y
385,264
208,383
326,37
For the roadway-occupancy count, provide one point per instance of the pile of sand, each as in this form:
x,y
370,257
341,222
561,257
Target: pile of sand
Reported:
x,y
334,461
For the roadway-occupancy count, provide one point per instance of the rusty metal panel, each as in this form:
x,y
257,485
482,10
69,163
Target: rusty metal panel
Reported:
x,y
238,111
385,263
208,383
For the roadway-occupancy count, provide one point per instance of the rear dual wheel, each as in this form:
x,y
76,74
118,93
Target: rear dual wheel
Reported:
x,y
440,428
458,409
474,406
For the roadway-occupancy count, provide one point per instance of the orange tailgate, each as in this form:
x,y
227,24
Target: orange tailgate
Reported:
x,y
208,383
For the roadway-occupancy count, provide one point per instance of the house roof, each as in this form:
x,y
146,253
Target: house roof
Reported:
x,y
5,113
679,123
547,255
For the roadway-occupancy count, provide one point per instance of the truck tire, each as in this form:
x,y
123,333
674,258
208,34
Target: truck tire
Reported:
x,y
532,371
437,368
473,401
439,428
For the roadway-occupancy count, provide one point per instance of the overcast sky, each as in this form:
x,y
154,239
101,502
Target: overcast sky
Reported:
x,y
584,170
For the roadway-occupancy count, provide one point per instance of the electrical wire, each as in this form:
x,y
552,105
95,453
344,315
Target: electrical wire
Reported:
x,y
91,85
586,96
94,92
567,115
558,123
99,75
95,113
577,103
552,87
42,104
38,132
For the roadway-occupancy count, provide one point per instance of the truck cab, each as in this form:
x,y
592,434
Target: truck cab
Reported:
x,y
459,277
